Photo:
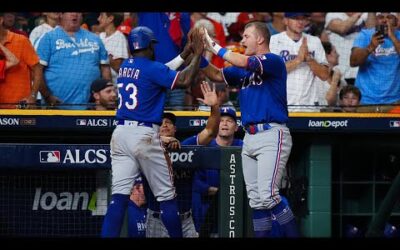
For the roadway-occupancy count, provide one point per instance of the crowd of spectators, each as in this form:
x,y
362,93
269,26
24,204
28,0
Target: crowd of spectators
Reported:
x,y
59,55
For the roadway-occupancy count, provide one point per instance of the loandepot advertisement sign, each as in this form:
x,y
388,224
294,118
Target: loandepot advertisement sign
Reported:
x,y
328,124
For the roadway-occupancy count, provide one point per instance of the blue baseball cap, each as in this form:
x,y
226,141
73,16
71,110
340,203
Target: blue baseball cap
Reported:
x,y
296,14
226,111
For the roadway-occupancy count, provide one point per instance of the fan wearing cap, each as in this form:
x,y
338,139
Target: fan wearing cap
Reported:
x,y
376,51
305,60
114,40
183,177
103,95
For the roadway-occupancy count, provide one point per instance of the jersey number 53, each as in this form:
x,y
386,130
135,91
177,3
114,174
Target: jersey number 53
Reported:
x,y
131,90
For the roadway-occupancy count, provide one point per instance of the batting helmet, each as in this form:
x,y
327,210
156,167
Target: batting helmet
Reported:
x,y
140,38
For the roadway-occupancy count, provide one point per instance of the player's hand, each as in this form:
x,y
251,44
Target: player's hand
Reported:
x,y
137,195
197,41
209,94
211,45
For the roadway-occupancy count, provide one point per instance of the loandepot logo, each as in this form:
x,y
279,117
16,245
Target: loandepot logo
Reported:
x,y
67,201
327,124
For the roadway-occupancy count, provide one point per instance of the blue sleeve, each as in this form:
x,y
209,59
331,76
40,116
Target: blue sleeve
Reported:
x,y
185,26
44,49
200,184
268,64
190,141
233,75
363,39
162,75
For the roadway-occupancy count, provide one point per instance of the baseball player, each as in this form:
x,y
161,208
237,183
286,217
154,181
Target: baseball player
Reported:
x,y
267,142
182,176
135,142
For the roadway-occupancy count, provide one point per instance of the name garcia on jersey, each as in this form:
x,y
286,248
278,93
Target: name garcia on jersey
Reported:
x,y
129,72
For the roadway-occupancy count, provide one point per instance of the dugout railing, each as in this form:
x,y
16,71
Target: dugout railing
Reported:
x,y
340,170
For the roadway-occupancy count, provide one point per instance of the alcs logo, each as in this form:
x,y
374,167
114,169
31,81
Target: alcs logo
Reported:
x,y
74,156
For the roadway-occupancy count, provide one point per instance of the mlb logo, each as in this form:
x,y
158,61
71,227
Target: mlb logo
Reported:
x,y
81,122
50,156
395,124
136,45
194,123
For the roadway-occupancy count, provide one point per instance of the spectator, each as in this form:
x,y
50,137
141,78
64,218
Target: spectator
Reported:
x,y
305,60
349,98
115,42
16,85
10,23
206,181
343,28
276,25
103,95
377,53
316,26
71,59
52,19
329,89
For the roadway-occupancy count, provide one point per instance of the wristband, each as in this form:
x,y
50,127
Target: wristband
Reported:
x,y
203,62
222,52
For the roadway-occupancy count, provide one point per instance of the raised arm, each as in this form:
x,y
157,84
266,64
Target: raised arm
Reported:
x,y
186,76
234,58
358,55
210,99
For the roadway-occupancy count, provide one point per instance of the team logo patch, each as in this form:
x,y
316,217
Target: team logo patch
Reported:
x,y
395,124
195,123
50,156
81,122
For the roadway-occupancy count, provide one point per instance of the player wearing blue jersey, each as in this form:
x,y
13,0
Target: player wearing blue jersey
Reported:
x,y
182,176
135,144
267,142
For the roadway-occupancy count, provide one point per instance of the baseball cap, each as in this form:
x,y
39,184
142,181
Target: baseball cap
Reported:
x,y
390,13
296,14
170,117
99,85
226,111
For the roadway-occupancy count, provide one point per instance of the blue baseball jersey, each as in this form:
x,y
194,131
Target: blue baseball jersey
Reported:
x,y
263,89
142,85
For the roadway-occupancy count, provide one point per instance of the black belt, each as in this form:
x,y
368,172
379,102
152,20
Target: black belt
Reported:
x,y
182,216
